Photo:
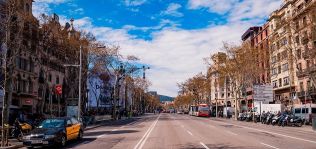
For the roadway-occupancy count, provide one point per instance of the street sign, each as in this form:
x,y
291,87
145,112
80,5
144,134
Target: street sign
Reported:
x,y
263,93
59,89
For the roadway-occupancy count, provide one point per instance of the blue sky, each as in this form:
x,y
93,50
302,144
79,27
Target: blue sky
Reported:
x,y
171,36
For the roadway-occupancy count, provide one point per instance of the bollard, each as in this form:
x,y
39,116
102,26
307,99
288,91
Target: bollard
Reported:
x,y
314,123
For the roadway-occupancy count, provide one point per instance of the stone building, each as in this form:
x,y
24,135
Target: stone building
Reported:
x,y
292,46
38,54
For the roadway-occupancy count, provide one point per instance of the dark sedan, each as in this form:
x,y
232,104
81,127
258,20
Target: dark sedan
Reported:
x,y
54,131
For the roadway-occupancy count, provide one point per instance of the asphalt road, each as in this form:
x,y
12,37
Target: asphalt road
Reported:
x,y
176,131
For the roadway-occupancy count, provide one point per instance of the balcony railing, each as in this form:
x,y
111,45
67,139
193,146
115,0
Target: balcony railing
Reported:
x,y
306,72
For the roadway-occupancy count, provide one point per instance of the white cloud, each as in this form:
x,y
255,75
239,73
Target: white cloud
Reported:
x,y
238,10
253,9
134,2
216,6
174,54
172,10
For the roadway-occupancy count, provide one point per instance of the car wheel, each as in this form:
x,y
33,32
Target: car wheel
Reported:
x,y
80,135
63,141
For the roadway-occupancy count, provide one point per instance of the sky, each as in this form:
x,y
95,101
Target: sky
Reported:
x,y
172,37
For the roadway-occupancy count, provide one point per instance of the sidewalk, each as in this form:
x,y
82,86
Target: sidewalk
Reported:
x,y
14,144
303,128
104,122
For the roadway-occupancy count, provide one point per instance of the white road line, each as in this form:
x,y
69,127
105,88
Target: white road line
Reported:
x,y
204,145
269,145
296,138
231,133
101,136
142,141
114,130
189,133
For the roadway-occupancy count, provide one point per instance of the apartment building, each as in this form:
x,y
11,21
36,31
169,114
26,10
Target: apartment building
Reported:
x,y
257,37
304,43
221,88
37,68
291,51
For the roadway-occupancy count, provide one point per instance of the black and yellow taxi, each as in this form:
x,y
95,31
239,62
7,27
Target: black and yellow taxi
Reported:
x,y
54,131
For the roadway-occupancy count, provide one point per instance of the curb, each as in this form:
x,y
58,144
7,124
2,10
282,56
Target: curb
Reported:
x,y
12,147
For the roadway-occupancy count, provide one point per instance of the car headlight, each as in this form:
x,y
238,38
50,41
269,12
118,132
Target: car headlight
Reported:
x,y
49,136
26,137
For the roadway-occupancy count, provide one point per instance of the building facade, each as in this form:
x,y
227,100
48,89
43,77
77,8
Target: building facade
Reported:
x,y
292,46
36,56
221,90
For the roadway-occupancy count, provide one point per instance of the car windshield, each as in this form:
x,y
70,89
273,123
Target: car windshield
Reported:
x,y
52,123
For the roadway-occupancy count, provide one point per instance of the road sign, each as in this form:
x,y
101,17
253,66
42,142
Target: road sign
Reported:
x,y
263,93
59,89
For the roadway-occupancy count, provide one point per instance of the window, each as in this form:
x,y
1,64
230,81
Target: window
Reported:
x,y
308,84
275,84
297,40
314,110
284,55
278,57
304,21
299,54
279,69
299,66
273,59
280,82
285,67
307,63
297,110
74,121
286,81
305,110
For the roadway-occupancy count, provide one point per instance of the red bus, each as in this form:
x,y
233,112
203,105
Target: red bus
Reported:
x,y
203,110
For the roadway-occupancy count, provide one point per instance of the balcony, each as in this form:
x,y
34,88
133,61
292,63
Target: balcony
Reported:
x,y
301,94
306,72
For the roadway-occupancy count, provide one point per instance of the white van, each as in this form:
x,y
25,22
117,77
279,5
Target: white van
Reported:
x,y
305,111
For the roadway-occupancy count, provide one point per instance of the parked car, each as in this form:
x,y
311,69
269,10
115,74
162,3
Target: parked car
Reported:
x,y
54,131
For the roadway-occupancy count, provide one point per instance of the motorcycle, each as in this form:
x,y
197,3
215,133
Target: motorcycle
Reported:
x,y
284,121
17,133
269,118
275,119
295,121
263,117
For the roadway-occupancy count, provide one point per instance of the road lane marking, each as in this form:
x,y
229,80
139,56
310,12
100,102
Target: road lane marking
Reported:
x,y
287,136
142,141
189,133
269,145
231,132
101,136
114,130
204,145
